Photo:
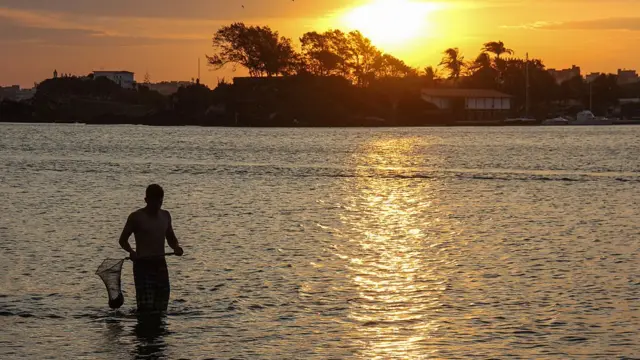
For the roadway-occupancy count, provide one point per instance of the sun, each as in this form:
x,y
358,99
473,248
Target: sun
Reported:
x,y
391,23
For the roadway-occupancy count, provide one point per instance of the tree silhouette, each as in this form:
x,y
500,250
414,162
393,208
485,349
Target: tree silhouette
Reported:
x,y
482,73
482,62
386,65
453,62
431,73
497,48
363,58
147,79
258,48
325,53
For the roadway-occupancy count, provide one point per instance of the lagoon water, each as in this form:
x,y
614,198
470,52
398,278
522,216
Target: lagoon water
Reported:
x,y
425,243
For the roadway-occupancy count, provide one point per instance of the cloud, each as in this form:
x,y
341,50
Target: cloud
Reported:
x,y
12,33
532,26
17,34
618,23
126,30
224,10
20,26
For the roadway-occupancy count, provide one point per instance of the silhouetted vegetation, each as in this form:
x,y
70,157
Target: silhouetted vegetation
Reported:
x,y
335,79
259,49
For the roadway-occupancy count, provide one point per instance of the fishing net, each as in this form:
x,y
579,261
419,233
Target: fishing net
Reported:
x,y
109,271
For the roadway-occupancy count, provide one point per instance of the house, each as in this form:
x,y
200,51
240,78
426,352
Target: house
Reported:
x,y
123,78
468,105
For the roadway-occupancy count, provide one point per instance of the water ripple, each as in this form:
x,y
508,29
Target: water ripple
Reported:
x,y
327,244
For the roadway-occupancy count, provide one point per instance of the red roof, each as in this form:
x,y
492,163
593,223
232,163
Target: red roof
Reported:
x,y
464,93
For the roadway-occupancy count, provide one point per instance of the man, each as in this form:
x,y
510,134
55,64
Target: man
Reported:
x,y
150,226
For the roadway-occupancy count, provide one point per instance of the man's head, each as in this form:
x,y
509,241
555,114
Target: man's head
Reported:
x,y
154,197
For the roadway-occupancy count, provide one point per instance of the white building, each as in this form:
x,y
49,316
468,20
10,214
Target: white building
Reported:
x,y
471,99
469,104
122,78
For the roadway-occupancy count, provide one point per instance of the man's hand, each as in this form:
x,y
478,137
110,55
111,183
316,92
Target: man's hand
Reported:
x,y
178,251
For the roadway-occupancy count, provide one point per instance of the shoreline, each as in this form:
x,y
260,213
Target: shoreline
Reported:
x,y
300,126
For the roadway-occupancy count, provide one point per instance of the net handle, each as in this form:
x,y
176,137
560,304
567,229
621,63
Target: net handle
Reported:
x,y
153,257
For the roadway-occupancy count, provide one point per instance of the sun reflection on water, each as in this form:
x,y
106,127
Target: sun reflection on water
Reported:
x,y
393,255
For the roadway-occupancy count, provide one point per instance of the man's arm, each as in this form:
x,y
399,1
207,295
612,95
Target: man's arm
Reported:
x,y
172,240
124,237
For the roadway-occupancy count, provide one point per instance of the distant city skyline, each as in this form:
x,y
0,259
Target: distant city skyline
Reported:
x,y
165,38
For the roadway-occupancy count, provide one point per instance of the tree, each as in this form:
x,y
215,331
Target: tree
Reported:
x,y
497,48
386,65
483,74
574,88
431,74
147,79
325,53
258,48
453,62
192,100
482,62
362,59
542,85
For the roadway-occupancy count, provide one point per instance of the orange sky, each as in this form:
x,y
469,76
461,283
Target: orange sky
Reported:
x,y
166,37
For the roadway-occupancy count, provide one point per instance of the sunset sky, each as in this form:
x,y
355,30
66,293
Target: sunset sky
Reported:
x,y
166,37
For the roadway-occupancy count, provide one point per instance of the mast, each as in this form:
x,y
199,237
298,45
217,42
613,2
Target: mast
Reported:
x,y
591,95
526,106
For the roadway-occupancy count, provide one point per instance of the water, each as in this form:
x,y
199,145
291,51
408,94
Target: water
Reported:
x,y
328,244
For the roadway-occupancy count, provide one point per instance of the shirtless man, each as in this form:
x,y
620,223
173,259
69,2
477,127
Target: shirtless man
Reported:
x,y
150,226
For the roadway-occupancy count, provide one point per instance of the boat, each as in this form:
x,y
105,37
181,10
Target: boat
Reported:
x,y
525,120
556,121
587,118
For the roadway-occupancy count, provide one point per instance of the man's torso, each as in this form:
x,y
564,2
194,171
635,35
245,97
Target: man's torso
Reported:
x,y
149,231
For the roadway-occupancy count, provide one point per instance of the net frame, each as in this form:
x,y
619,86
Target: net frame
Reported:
x,y
110,272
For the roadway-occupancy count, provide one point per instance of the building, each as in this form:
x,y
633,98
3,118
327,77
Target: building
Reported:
x,y
167,88
9,92
592,76
15,93
122,78
468,105
563,75
626,77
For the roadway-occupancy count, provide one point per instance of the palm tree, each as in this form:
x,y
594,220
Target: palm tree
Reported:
x,y
483,61
453,61
431,73
482,74
497,48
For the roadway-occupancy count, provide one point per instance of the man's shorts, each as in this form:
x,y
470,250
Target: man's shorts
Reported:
x,y
151,278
